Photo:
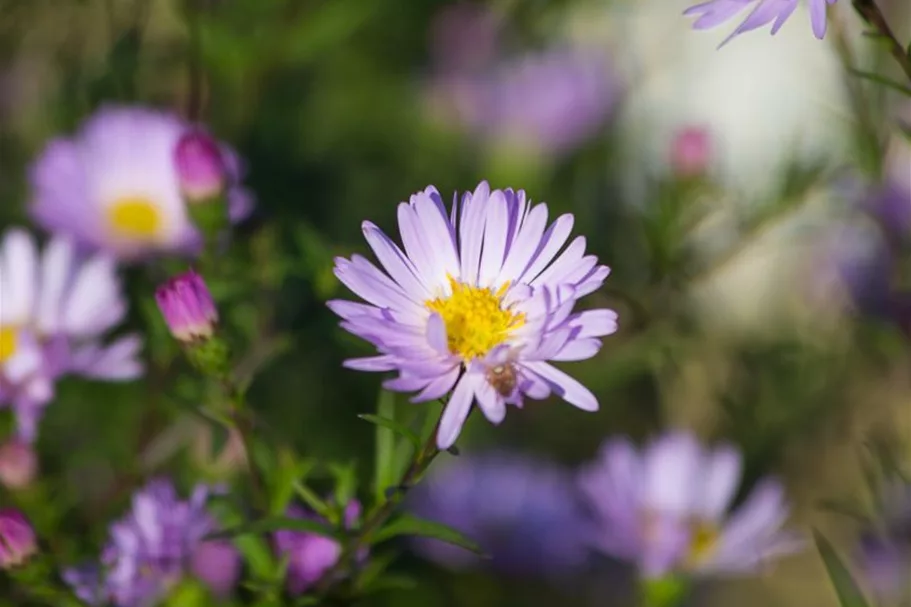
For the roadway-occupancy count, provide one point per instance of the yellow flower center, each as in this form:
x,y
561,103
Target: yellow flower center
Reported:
x,y
703,543
8,342
474,317
135,217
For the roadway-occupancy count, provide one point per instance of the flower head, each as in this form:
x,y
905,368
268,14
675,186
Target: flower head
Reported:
x,y
201,172
477,304
310,555
115,185
217,563
523,512
187,307
55,307
715,12
666,509
149,551
884,552
17,538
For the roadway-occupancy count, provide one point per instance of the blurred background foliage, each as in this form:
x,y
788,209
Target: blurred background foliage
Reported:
x,y
729,324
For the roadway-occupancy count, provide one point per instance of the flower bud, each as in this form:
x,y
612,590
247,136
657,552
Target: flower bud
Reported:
x,y
691,152
17,539
201,171
18,464
188,308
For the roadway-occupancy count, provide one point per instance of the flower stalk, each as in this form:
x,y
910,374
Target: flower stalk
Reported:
x,y
375,520
871,13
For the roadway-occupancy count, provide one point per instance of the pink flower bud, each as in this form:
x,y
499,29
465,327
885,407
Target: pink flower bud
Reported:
x,y
187,307
691,152
18,464
201,170
17,538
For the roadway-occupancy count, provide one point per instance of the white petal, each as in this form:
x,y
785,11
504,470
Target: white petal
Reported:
x,y
18,282
93,305
456,412
55,276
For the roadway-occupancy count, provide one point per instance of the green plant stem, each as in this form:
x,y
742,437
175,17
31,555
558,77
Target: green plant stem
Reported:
x,y
242,420
871,13
380,514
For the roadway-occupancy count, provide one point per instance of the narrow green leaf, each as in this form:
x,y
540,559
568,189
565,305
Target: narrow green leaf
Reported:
x,y
411,525
310,498
884,81
845,509
384,470
849,594
268,525
394,426
345,486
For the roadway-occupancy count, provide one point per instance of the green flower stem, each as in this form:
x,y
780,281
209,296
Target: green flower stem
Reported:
x,y
240,417
380,514
871,13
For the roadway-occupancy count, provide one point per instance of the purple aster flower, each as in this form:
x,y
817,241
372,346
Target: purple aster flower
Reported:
x,y
884,553
115,184
55,307
523,512
666,509
715,12
217,563
149,551
310,555
477,304
17,538
187,307
546,103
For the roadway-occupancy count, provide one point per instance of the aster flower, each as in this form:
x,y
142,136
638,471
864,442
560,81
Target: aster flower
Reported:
x,y
149,551
115,185
666,509
715,12
477,304
545,103
884,551
54,309
522,511
310,555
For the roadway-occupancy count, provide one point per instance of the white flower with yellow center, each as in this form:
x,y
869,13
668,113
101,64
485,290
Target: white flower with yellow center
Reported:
x,y
477,304
54,309
114,185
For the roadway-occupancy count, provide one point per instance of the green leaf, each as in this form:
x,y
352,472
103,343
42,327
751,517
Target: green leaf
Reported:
x,y
384,473
285,477
849,594
393,426
882,80
663,592
412,525
276,523
345,485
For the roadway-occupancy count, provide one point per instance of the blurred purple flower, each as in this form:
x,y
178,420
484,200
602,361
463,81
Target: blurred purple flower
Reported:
x,y
478,304
17,538
114,185
187,307
218,564
310,555
150,550
522,511
666,509
546,103
464,38
884,552
715,12
18,464
55,307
